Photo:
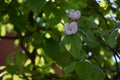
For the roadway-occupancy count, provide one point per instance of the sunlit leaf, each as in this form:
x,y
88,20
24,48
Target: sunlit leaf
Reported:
x,y
3,30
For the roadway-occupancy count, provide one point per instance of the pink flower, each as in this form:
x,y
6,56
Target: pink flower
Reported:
x,y
75,15
71,28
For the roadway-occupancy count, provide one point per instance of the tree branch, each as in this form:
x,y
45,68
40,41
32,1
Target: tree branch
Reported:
x,y
30,18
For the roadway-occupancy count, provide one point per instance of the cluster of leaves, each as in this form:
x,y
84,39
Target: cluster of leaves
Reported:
x,y
37,26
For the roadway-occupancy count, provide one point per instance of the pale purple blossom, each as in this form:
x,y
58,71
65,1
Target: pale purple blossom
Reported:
x,y
71,28
75,15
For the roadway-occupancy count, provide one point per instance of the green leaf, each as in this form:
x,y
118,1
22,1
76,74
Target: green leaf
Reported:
x,y
53,21
2,4
112,38
12,69
12,12
63,59
89,38
52,49
83,4
114,35
73,44
17,19
36,5
98,73
20,58
38,40
2,30
70,68
87,71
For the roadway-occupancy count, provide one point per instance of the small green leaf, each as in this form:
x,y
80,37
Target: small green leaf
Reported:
x,y
3,30
70,68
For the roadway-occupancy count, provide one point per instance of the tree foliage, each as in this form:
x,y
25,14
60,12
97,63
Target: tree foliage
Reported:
x,y
92,53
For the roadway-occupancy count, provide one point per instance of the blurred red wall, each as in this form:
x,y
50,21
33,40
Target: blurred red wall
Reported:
x,y
6,48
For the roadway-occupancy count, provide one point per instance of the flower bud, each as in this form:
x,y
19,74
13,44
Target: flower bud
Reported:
x,y
75,15
71,28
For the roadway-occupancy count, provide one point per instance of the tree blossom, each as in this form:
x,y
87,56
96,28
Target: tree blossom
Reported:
x,y
75,15
71,28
